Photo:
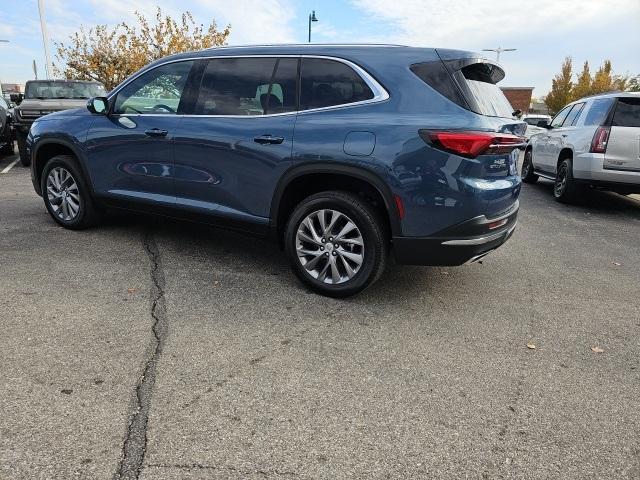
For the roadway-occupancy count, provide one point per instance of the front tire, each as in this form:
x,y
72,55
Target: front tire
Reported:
x,y
528,175
66,194
21,138
565,188
336,243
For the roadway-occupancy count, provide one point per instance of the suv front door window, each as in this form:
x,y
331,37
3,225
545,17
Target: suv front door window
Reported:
x,y
157,91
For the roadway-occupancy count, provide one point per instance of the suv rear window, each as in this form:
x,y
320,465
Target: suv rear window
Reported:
x,y
627,113
476,88
598,111
325,83
481,80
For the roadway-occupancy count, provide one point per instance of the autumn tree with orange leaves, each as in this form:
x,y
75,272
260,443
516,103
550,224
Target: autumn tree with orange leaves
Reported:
x,y
110,54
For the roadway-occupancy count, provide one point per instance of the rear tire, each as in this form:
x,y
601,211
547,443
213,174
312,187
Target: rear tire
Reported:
x,y
66,194
7,149
25,160
527,168
336,243
565,188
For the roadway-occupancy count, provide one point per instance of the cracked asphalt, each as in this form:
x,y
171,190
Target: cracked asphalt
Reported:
x,y
154,349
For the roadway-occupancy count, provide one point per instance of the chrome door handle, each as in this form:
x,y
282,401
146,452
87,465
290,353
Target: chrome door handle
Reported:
x,y
156,132
268,139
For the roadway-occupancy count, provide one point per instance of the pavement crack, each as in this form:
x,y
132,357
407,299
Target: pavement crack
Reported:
x,y
230,468
135,443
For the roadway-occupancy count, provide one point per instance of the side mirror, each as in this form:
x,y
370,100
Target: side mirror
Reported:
x,y
16,98
99,105
543,124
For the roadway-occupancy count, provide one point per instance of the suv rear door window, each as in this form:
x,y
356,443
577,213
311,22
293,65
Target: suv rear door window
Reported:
x,y
559,118
248,86
627,113
598,111
482,79
573,114
326,83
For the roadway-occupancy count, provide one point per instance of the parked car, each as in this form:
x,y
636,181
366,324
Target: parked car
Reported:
x,y
42,97
536,123
342,153
6,133
594,141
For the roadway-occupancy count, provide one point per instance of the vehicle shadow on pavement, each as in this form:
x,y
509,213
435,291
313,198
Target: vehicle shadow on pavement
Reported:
x,y
232,251
596,201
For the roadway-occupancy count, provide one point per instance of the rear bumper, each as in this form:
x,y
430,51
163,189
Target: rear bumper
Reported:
x,y
589,168
472,240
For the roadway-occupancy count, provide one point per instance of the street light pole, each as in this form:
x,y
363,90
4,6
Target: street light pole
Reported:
x,y
498,51
45,40
312,18
1,91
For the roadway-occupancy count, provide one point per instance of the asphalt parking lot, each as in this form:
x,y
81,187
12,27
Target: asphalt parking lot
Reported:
x,y
158,350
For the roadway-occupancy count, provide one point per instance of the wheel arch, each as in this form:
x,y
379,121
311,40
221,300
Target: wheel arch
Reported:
x,y
565,154
301,181
46,149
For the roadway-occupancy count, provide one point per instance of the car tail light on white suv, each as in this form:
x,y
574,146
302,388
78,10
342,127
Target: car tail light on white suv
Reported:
x,y
600,139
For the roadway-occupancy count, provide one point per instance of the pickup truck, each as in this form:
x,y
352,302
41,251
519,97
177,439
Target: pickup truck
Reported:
x,y
42,97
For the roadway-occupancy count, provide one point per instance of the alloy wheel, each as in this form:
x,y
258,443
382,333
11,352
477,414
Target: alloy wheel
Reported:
x,y
63,194
526,164
330,246
561,181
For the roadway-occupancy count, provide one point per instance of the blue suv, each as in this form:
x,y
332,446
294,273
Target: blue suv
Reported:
x,y
343,153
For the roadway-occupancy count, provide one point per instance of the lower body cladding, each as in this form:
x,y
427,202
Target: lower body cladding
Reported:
x,y
464,243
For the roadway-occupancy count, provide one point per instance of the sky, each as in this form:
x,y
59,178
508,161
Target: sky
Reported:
x,y
544,32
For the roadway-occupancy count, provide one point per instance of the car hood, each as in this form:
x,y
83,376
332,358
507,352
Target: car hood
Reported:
x,y
73,112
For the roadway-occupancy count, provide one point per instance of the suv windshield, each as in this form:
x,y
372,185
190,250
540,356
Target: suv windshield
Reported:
x,y
51,89
535,120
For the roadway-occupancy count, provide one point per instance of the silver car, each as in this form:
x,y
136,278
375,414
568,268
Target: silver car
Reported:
x,y
592,142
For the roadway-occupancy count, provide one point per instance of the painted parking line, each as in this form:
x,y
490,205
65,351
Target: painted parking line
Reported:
x,y
10,166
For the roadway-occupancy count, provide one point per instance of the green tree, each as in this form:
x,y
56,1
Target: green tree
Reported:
x,y
111,54
561,87
583,87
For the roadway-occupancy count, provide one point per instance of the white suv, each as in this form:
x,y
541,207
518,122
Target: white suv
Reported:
x,y
594,141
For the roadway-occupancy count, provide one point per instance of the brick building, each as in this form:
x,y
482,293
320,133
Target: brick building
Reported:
x,y
519,97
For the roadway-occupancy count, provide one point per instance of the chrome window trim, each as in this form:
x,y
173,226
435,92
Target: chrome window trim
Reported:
x,y
380,94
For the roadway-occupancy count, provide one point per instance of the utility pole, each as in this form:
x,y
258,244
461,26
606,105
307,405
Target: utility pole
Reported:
x,y
1,92
312,18
498,51
45,40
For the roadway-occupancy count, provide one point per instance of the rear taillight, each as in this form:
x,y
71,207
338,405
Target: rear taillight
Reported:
x,y
470,143
600,139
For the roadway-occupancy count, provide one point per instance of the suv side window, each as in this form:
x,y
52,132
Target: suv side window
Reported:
x,y
571,118
326,83
248,86
627,113
559,118
598,111
157,91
